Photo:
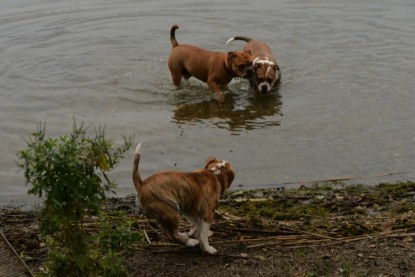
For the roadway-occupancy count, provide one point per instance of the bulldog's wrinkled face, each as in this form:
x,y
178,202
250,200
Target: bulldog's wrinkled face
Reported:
x,y
240,63
266,74
222,169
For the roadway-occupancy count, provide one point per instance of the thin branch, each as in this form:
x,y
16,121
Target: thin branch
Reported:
x,y
147,238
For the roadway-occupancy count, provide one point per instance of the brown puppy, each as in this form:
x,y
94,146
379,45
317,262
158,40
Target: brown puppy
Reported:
x,y
214,68
267,73
196,194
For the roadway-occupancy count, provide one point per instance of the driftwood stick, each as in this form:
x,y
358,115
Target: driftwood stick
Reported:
x,y
313,234
147,238
321,236
246,230
157,232
279,238
305,242
244,257
294,244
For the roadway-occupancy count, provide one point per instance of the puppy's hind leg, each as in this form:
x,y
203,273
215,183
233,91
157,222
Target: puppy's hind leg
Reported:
x,y
139,208
170,220
194,226
177,79
176,72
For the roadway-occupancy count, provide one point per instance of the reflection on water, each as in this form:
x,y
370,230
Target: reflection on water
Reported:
x,y
237,113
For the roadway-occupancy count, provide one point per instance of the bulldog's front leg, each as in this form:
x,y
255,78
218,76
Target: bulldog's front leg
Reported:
x,y
203,237
215,87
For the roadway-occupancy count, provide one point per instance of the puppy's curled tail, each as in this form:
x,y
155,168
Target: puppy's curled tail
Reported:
x,y
138,183
173,40
247,39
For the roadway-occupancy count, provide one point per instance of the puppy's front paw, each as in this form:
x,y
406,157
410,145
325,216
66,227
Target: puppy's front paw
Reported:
x,y
210,250
192,242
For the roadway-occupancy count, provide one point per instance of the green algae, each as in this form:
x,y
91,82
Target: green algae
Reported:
x,y
318,202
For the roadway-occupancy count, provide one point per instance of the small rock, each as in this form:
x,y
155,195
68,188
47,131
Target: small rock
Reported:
x,y
339,196
239,192
259,194
260,258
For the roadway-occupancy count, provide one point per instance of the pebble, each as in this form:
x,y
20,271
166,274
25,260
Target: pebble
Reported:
x,y
259,194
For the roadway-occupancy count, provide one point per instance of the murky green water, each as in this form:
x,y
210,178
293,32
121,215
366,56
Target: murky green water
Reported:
x,y
344,108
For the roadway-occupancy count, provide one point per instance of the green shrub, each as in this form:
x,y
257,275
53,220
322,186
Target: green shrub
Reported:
x,y
70,174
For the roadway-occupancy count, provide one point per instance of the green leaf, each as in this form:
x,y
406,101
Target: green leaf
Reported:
x,y
81,261
103,162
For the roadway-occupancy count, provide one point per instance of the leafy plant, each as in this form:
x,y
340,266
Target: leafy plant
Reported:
x,y
70,173
119,233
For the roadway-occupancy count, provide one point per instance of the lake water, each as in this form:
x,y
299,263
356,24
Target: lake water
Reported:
x,y
345,107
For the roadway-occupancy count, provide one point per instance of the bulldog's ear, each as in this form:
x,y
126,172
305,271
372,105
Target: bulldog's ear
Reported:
x,y
228,177
231,176
210,160
232,55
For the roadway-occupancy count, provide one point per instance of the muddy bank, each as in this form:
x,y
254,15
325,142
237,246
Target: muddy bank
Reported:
x,y
321,230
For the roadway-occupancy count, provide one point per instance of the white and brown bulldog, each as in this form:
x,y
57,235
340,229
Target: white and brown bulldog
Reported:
x,y
267,73
167,194
214,68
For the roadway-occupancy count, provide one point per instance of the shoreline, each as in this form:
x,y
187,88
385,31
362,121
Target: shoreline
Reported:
x,y
320,230
26,201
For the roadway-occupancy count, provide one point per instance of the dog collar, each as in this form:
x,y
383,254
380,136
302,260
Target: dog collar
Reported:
x,y
225,63
215,170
